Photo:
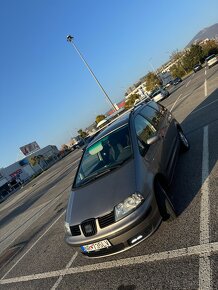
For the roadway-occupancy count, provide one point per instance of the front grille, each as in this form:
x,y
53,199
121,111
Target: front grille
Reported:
x,y
106,220
89,228
75,230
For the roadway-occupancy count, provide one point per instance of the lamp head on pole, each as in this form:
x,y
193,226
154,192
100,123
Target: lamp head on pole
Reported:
x,y
69,38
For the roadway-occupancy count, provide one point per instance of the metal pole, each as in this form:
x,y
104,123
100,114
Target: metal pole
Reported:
x,y
70,39
152,66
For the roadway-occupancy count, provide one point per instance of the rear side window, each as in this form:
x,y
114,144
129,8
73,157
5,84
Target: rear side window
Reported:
x,y
152,115
144,131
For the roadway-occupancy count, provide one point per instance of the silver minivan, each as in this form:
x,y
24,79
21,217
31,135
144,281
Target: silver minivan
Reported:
x,y
120,192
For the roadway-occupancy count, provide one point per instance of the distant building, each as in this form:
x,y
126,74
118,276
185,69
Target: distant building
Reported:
x,y
30,165
119,106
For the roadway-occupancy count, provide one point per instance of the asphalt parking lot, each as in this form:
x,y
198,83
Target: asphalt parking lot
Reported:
x,y
182,254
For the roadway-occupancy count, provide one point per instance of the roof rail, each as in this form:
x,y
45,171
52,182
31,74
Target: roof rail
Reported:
x,y
145,101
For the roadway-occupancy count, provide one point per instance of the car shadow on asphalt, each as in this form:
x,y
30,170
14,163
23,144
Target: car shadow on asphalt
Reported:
x,y
187,181
213,73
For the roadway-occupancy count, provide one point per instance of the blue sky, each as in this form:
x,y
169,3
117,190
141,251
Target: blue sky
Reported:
x,y
46,92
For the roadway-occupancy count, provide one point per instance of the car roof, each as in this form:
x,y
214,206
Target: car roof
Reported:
x,y
123,119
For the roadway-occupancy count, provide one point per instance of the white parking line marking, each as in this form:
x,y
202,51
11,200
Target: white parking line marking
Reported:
x,y
17,226
188,83
155,257
26,223
62,276
175,102
205,87
204,260
205,207
203,107
32,245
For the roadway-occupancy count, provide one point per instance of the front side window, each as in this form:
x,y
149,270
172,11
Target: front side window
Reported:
x,y
152,115
157,107
106,154
144,131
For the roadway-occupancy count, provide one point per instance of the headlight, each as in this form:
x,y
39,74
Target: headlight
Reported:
x,y
128,205
67,228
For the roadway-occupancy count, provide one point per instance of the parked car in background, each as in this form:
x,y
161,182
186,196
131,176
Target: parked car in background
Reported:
x,y
159,94
176,81
197,67
211,60
120,191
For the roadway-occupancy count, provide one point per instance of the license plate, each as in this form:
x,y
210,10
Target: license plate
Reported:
x,y
96,246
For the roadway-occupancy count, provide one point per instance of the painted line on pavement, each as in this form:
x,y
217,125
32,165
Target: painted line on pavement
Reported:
x,y
205,206
20,196
18,231
203,107
204,259
188,83
205,88
15,225
179,99
32,246
205,249
62,276
175,102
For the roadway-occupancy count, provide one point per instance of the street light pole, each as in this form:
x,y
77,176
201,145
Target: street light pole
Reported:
x,y
70,39
149,61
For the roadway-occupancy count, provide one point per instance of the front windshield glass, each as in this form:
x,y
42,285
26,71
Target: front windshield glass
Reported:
x,y
104,155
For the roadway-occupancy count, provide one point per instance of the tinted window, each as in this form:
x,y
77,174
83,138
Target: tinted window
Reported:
x,y
157,107
152,115
144,130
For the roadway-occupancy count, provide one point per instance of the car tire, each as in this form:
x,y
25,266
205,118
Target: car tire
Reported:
x,y
165,205
184,143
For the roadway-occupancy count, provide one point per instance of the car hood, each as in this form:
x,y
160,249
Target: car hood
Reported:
x,y
100,196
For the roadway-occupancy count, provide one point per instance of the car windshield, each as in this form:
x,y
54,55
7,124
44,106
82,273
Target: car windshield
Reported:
x,y
106,154
210,57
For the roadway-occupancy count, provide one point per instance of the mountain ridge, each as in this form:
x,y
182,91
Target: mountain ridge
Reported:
x,y
207,32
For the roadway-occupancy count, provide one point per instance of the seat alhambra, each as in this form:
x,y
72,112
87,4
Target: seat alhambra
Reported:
x,y
120,192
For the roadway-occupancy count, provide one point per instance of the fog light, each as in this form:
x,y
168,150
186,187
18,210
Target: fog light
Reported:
x,y
136,239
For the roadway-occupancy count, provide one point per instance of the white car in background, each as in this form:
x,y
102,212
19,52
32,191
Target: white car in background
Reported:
x,y
159,94
211,60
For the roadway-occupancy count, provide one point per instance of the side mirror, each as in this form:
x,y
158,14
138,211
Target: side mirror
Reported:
x,y
153,140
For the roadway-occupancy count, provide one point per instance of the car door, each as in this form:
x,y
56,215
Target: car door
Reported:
x,y
161,119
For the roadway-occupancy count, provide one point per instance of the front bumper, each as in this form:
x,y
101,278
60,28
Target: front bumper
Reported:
x,y
140,229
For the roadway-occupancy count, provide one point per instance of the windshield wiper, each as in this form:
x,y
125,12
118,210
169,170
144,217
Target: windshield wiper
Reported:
x,y
93,176
99,173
